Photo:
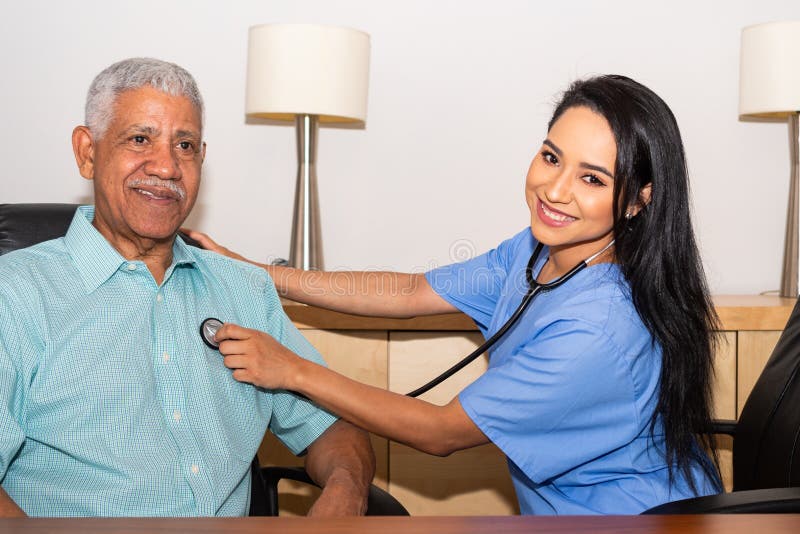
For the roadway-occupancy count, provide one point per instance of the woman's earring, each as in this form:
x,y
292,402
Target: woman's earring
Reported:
x,y
628,214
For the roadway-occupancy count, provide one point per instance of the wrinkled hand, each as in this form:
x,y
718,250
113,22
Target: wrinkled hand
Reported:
x,y
209,244
256,357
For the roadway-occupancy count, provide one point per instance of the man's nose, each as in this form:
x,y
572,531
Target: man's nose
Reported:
x,y
163,162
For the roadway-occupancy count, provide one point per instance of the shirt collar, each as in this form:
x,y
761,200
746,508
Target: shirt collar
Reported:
x,y
94,257
182,254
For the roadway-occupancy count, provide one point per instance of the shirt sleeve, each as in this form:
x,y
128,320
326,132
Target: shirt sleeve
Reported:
x,y
475,286
560,401
12,435
296,422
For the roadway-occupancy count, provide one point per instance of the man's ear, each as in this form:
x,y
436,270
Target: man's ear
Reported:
x,y
83,148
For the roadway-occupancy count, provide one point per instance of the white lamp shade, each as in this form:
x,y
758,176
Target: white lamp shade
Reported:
x,y
307,69
769,71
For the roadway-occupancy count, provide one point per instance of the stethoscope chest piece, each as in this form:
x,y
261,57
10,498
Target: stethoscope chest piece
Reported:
x,y
208,329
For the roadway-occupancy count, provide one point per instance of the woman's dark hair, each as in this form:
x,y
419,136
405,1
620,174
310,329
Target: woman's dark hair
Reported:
x,y
658,256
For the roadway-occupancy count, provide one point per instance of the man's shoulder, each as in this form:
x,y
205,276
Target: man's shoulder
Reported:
x,y
230,270
218,262
28,276
22,263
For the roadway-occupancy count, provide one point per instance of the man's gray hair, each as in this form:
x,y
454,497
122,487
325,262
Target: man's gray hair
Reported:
x,y
134,73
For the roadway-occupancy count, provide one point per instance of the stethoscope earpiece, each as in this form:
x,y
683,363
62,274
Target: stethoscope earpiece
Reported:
x,y
208,329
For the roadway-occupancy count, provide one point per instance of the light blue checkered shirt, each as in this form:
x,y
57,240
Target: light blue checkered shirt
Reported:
x,y
110,403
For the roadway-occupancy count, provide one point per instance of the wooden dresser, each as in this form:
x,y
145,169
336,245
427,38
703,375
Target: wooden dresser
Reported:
x,y
402,354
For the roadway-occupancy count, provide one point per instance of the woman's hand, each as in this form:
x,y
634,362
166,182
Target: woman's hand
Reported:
x,y
210,244
257,358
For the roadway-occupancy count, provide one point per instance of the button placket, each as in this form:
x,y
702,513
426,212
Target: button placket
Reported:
x,y
179,418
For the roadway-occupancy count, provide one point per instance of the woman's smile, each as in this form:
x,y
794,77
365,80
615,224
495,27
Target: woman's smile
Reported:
x,y
551,216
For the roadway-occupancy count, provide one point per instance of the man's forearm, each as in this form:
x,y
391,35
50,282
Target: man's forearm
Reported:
x,y
8,508
341,460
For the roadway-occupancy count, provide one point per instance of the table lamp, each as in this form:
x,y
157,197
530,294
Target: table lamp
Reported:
x,y
769,88
307,74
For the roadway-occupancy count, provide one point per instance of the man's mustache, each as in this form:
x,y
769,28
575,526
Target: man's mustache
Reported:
x,y
154,181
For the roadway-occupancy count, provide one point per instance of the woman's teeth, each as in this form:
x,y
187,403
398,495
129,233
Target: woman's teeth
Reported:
x,y
556,216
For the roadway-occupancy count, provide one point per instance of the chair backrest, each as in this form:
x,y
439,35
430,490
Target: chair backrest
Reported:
x,y
766,447
23,225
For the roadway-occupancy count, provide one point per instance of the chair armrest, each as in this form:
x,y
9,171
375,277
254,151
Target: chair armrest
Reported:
x,y
719,426
761,501
379,502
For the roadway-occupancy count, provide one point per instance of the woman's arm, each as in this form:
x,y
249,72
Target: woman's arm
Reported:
x,y
381,294
258,359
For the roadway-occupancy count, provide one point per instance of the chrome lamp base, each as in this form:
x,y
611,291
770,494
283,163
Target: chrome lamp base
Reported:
x,y
305,251
791,248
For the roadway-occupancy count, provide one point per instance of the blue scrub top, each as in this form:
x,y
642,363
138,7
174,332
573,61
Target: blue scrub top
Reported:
x,y
570,389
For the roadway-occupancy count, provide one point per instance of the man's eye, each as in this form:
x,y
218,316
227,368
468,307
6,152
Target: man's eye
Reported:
x,y
186,145
138,139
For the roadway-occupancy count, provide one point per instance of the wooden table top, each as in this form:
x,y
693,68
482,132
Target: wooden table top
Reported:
x,y
727,524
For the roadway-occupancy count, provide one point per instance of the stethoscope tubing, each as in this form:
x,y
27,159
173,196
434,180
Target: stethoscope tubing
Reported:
x,y
534,288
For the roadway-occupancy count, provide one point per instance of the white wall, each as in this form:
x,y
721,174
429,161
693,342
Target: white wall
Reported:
x,y
459,98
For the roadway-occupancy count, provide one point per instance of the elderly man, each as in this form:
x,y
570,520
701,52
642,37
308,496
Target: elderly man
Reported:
x,y
110,403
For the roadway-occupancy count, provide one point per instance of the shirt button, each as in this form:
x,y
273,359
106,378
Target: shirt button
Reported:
x,y
159,297
131,267
195,469
165,356
177,416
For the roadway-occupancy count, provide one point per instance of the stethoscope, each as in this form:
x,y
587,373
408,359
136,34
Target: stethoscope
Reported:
x,y
209,327
534,288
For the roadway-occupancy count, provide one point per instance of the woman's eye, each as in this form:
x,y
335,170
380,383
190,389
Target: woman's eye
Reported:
x,y
550,158
591,179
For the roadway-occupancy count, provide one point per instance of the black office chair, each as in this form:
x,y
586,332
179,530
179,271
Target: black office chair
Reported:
x,y
766,440
23,225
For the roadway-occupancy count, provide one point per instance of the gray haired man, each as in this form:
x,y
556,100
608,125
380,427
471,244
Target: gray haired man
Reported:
x,y
110,402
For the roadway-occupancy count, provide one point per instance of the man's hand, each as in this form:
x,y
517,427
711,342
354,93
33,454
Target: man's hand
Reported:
x,y
8,508
341,460
339,498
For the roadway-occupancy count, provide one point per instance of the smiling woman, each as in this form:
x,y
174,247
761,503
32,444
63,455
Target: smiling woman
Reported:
x,y
596,395
570,189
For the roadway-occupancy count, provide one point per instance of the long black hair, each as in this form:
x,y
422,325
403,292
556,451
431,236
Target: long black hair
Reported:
x,y
658,256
